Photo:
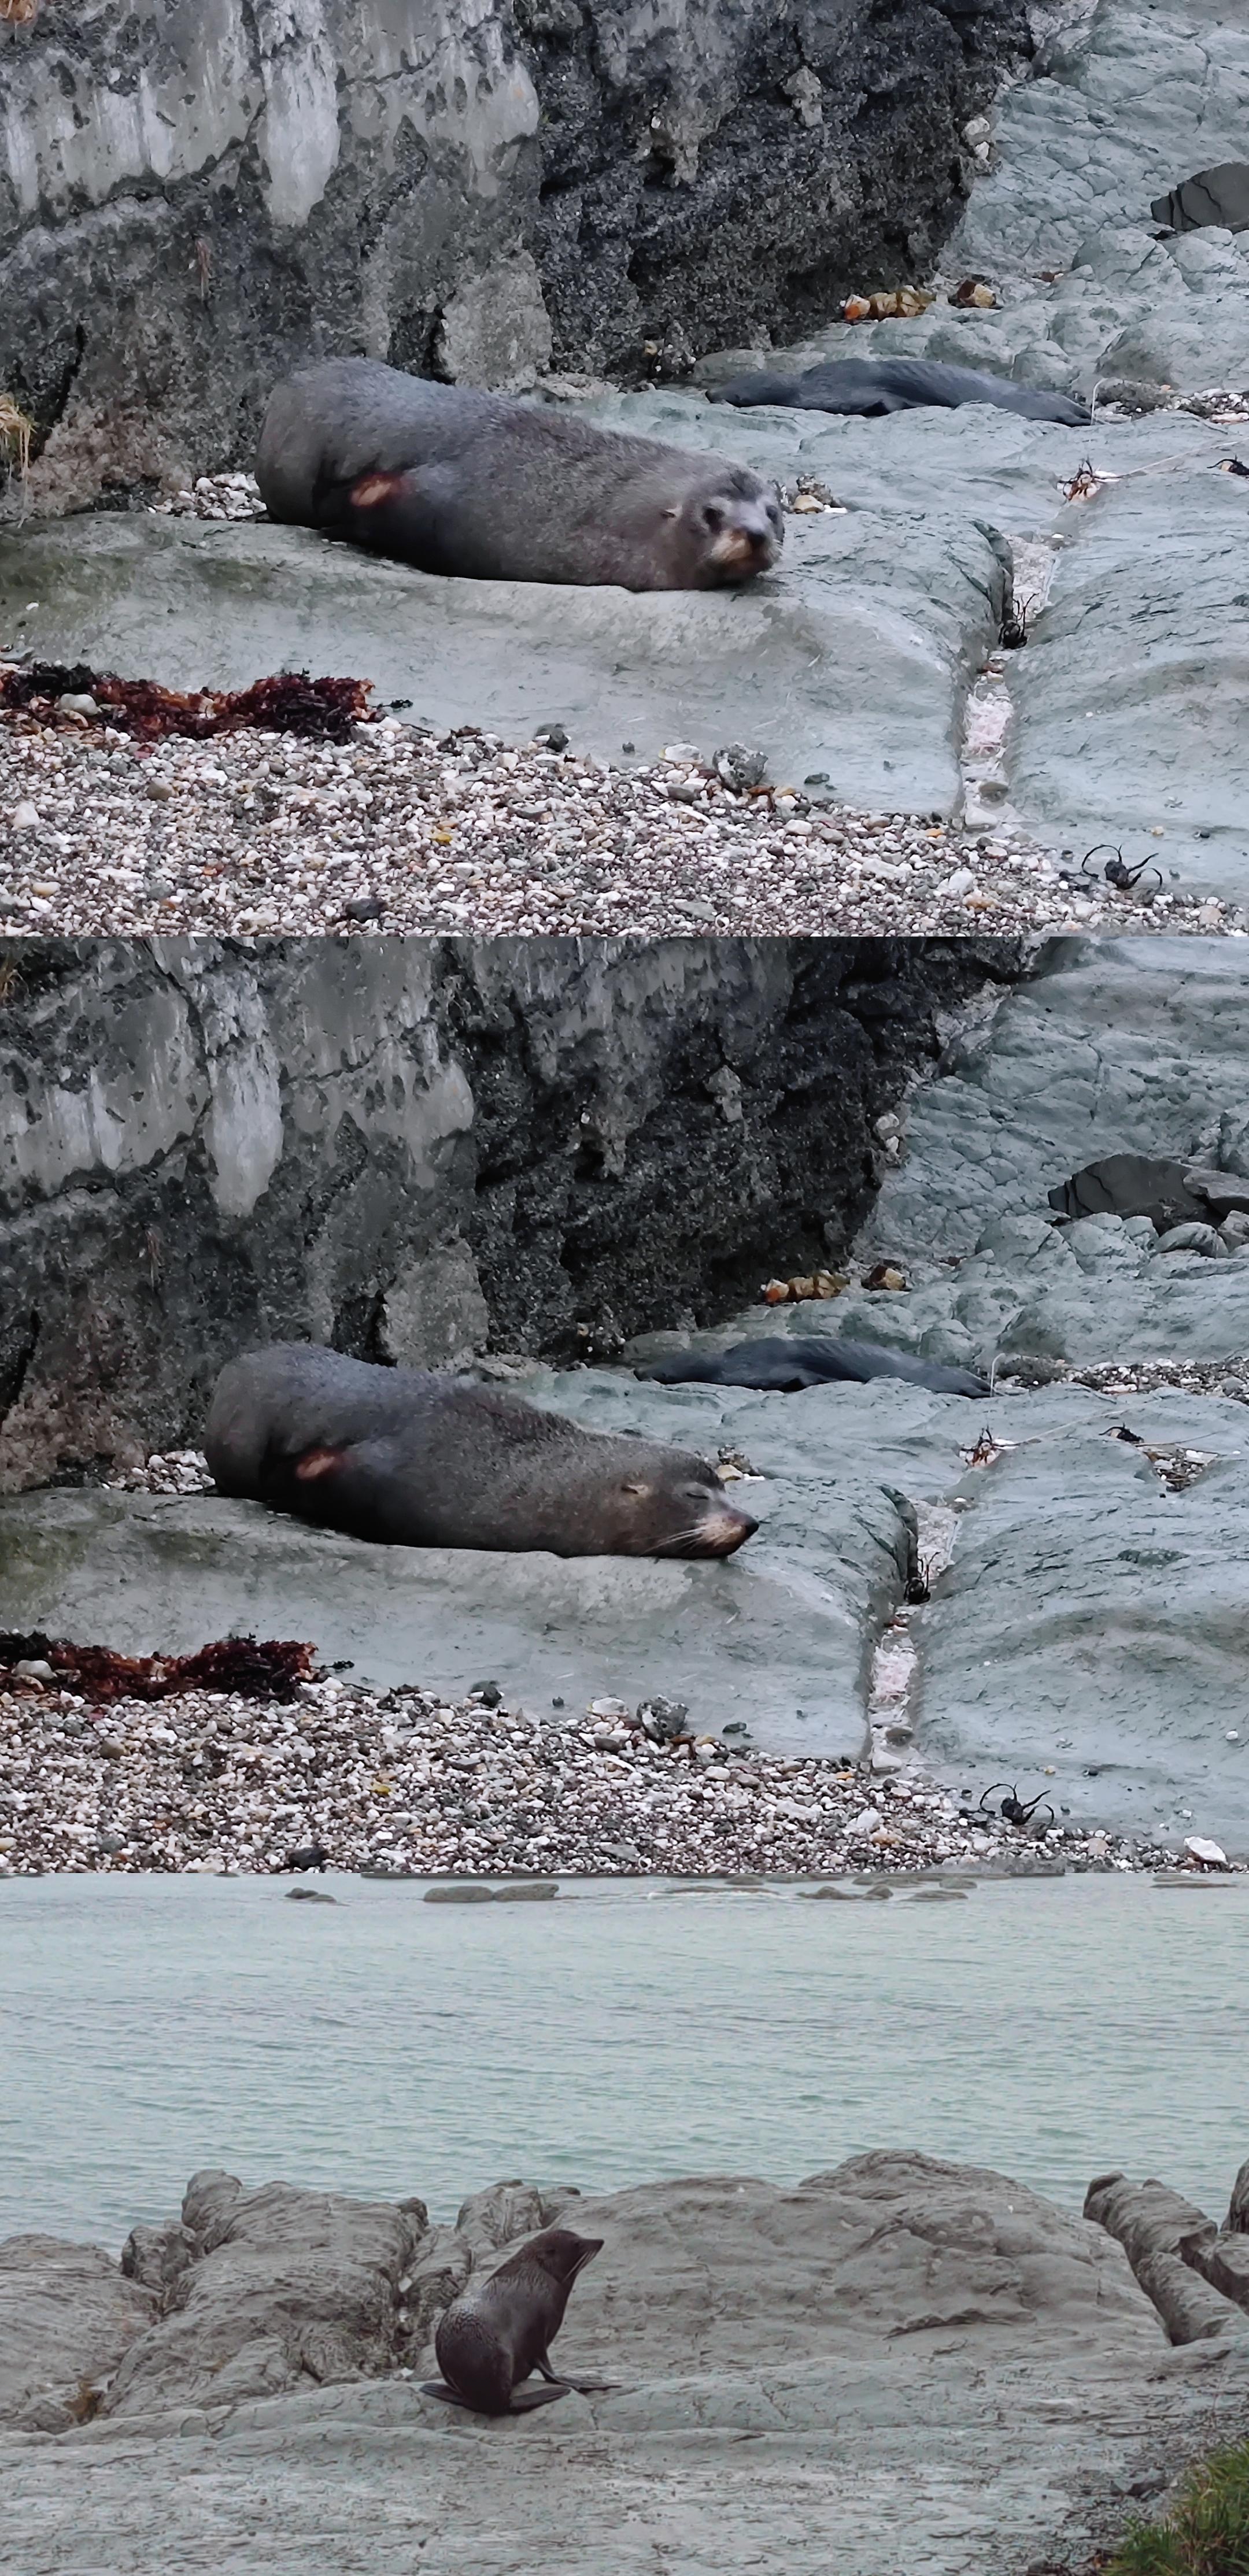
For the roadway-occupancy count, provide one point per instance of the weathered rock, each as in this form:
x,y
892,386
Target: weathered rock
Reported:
x,y
158,2256
434,2278
1223,2261
287,2286
1237,2220
1157,2228
507,2210
67,2319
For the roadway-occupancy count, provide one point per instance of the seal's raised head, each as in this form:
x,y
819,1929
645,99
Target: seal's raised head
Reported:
x,y
561,2253
728,529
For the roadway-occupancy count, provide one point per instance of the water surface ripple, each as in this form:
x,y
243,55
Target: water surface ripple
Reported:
x,y
149,2026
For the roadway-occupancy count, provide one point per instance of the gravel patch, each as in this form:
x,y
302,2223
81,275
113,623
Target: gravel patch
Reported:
x,y
402,1783
1131,1377
398,830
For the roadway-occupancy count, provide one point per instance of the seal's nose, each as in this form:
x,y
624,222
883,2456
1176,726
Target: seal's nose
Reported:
x,y
737,1527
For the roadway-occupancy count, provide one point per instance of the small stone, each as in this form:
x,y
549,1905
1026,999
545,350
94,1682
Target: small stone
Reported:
x,y
25,816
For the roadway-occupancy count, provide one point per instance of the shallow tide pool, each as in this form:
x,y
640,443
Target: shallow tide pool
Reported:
x,y
626,2031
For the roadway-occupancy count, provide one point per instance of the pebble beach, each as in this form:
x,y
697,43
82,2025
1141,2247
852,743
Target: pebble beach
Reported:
x,y
401,831
400,1783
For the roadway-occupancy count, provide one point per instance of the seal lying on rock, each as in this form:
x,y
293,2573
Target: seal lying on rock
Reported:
x,y
476,485
873,386
781,1365
501,2329
415,1460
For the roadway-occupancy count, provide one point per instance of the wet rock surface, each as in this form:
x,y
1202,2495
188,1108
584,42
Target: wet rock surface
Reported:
x,y
966,2369
68,2317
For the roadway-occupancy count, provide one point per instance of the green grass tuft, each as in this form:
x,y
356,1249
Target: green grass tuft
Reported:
x,y
1207,2531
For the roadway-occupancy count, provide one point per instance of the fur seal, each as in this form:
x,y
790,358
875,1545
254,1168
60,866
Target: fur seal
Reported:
x,y
1131,1185
502,2328
782,1365
489,489
870,387
414,1460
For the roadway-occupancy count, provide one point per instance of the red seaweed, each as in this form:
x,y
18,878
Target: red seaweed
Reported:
x,y
272,1669
287,702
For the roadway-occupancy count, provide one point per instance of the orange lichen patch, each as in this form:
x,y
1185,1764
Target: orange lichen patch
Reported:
x,y
288,702
273,1669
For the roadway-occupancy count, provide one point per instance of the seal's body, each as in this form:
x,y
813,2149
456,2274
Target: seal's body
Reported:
x,y
873,386
781,1366
481,486
415,1460
501,2329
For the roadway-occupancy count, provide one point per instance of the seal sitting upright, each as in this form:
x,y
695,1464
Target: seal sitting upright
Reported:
x,y
501,2329
478,485
415,1460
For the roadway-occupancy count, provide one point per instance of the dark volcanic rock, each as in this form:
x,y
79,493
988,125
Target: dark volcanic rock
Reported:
x,y
199,202
414,1150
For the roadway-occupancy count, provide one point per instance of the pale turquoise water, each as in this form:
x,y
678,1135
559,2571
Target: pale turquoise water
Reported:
x,y
149,2026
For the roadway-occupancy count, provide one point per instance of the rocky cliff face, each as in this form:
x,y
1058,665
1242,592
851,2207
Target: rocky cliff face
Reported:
x,y
194,198
414,1149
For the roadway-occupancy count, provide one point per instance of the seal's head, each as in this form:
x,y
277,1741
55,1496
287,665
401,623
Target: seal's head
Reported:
x,y
560,2253
668,1503
728,529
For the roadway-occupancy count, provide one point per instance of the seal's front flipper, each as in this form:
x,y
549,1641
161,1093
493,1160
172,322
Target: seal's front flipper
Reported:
x,y
523,2399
